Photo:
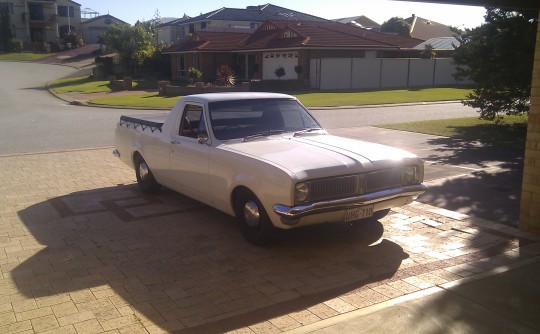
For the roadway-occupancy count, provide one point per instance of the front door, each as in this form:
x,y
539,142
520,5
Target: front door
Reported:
x,y
188,157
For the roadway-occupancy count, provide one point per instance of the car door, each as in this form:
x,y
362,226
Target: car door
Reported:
x,y
189,157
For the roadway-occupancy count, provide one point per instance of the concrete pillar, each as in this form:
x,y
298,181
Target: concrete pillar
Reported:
x,y
529,219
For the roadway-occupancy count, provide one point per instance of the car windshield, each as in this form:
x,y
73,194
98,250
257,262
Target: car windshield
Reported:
x,y
258,117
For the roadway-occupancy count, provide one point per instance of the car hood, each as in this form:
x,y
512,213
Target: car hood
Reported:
x,y
320,155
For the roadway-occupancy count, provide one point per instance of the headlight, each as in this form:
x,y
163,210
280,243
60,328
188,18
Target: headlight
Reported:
x,y
410,175
301,193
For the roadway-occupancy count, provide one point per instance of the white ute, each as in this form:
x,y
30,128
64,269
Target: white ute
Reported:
x,y
263,158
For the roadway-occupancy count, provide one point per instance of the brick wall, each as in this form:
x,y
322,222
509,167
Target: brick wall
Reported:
x,y
530,195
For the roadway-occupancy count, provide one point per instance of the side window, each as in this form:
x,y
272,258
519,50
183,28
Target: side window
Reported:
x,y
192,121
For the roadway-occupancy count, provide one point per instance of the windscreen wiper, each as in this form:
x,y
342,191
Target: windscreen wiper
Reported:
x,y
306,130
263,134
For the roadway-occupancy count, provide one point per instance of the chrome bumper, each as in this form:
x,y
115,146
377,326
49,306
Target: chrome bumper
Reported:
x,y
291,214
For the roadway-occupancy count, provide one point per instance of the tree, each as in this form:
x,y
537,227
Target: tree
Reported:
x,y
498,57
397,25
152,25
133,44
428,52
6,28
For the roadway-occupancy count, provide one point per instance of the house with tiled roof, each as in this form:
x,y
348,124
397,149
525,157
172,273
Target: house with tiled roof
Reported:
x,y
282,43
360,21
425,29
250,17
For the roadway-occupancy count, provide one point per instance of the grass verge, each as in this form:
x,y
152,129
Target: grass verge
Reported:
x,y
318,99
334,99
147,100
23,56
83,85
511,132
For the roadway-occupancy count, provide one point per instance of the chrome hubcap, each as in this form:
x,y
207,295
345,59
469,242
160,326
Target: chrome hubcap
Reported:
x,y
143,171
252,216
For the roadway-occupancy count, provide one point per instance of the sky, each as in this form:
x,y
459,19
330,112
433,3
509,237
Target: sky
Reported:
x,y
377,10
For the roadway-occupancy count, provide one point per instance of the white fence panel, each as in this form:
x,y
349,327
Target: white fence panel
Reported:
x,y
394,73
421,72
366,73
444,70
336,73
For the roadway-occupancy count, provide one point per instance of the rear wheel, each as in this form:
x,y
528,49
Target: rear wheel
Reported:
x,y
254,222
145,178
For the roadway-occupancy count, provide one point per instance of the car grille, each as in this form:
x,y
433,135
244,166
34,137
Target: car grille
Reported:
x,y
352,185
385,179
334,188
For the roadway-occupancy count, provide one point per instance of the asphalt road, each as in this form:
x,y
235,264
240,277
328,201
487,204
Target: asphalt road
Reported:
x,y
33,120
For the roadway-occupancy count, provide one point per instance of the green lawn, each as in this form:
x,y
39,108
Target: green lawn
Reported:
x,y
316,99
333,99
84,85
23,56
149,100
511,132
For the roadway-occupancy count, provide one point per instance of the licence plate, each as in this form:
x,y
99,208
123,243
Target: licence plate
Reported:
x,y
359,213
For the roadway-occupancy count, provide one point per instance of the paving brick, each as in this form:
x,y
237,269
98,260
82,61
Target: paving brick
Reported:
x,y
75,318
100,256
45,323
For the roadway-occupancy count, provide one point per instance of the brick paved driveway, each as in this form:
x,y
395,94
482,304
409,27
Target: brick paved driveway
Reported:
x,y
83,251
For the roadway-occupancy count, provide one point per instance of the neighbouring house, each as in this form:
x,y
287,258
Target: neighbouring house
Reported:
x,y
92,28
247,18
44,21
292,45
425,29
442,46
361,22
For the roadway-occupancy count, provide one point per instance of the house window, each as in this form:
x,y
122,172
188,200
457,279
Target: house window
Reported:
x,y
9,5
203,25
254,25
191,28
64,11
181,65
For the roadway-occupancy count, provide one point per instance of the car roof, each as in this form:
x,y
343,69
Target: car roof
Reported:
x,y
214,97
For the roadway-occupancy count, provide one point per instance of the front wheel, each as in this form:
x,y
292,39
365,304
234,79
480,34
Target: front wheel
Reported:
x,y
254,222
145,179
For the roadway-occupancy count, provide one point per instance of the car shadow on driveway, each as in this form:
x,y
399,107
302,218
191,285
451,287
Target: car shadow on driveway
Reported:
x,y
136,260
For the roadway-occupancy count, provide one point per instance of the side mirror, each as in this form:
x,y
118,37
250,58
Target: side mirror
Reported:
x,y
202,138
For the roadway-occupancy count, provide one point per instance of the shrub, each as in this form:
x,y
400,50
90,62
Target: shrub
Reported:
x,y
279,72
74,39
193,74
15,45
225,76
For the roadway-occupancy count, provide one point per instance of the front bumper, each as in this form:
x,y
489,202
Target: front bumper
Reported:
x,y
291,215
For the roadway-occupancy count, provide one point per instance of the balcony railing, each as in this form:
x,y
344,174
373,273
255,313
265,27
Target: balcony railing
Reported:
x,y
38,17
